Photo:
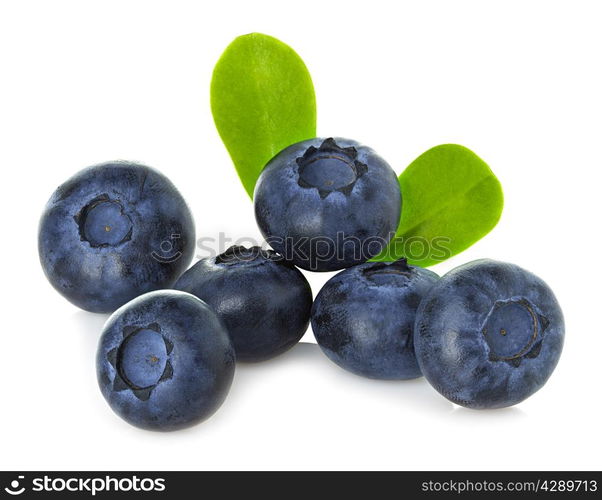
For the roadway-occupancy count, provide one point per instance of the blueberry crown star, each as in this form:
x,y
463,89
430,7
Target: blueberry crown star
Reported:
x,y
121,381
330,168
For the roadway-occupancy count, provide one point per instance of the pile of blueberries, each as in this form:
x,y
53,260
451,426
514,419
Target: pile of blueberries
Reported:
x,y
118,237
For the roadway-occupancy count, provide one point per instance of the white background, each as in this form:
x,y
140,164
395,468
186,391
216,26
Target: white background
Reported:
x,y
520,83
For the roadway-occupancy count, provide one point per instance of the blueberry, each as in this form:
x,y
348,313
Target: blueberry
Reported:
x,y
112,232
327,204
489,334
363,318
165,361
264,301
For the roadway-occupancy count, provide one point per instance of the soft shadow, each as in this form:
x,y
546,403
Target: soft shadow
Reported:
x,y
89,325
495,415
415,392
301,351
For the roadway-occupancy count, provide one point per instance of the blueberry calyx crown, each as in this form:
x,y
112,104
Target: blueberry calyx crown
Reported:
x,y
238,254
103,222
330,168
141,361
514,330
399,266
380,272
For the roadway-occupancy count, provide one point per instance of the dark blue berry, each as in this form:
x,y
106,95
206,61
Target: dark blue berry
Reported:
x,y
489,334
165,361
264,302
112,232
327,204
363,318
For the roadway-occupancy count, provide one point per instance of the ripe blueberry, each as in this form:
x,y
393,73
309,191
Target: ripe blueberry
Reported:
x,y
264,301
488,334
363,318
112,232
327,204
165,361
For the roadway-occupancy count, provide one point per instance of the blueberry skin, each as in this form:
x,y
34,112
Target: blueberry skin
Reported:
x,y
363,318
327,204
264,302
112,232
489,334
165,361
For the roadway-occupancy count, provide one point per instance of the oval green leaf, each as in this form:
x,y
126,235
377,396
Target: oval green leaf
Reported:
x,y
451,199
262,100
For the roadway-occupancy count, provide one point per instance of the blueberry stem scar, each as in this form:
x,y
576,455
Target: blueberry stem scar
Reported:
x,y
507,312
330,168
102,216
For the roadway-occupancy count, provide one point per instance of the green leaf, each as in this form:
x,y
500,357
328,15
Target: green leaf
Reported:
x,y
451,199
263,100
